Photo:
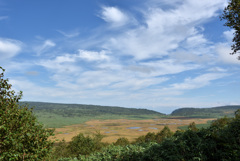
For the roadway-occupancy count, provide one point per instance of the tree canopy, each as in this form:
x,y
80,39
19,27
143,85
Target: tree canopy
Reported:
x,y
231,14
21,136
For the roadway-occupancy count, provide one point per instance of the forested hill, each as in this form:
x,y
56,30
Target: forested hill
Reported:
x,y
206,112
72,110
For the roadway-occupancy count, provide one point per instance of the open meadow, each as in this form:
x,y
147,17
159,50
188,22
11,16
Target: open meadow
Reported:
x,y
114,122
131,129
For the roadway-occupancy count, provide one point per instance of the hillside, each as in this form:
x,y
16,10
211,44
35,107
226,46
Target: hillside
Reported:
x,y
214,112
58,115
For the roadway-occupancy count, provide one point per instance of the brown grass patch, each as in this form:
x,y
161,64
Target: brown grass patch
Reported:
x,y
114,129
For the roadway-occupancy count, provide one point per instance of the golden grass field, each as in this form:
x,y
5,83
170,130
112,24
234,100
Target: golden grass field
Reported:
x,y
114,129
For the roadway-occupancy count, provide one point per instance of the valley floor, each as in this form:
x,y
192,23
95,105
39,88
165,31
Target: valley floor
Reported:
x,y
131,129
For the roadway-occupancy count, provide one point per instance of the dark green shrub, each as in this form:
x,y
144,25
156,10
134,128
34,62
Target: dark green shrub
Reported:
x,y
192,126
21,136
117,153
85,145
139,140
122,141
163,134
61,150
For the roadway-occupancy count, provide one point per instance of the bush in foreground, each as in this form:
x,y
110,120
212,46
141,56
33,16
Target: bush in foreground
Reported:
x,y
21,136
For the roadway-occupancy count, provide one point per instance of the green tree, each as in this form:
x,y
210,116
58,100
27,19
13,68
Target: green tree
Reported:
x,y
139,140
21,136
61,150
150,137
84,145
192,126
122,141
164,133
232,14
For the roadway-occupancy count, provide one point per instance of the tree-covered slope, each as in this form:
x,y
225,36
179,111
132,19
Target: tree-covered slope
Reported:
x,y
206,112
58,115
69,110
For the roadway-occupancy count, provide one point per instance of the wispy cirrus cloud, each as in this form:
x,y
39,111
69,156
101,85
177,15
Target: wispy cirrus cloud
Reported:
x,y
197,82
44,47
150,55
9,48
3,17
164,31
142,58
69,34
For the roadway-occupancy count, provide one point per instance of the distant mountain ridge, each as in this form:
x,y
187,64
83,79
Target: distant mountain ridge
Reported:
x,y
59,115
213,112
55,115
71,110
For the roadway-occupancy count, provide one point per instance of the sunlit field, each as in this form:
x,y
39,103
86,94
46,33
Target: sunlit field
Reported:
x,y
114,129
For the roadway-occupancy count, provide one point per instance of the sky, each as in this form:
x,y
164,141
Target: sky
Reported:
x,y
155,54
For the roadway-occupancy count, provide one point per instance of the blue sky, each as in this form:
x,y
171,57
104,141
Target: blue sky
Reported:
x,y
158,54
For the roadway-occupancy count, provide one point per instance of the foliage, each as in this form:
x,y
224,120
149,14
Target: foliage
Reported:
x,y
85,145
192,126
21,136
79,145
198,126
118,153
72,110
163,134
232,14
61,149
155,137
122,141
221,122
214,112
217,142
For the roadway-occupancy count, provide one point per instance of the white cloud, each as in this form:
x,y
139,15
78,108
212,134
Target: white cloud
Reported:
x,y
44,47
92,55
9,48
217,69
139,83
98,79
37,92
196,40
223,50
164,31
114,16
61,64
137,65
229,35
168,66
197,82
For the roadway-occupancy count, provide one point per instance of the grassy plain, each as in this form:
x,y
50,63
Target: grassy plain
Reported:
x,y
51,120
115,122
131,129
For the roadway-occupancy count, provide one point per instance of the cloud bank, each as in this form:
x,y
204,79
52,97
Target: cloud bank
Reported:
x,y
152,55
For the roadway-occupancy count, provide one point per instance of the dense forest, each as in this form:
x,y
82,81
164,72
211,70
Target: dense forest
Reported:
x,y
78,110
214,112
